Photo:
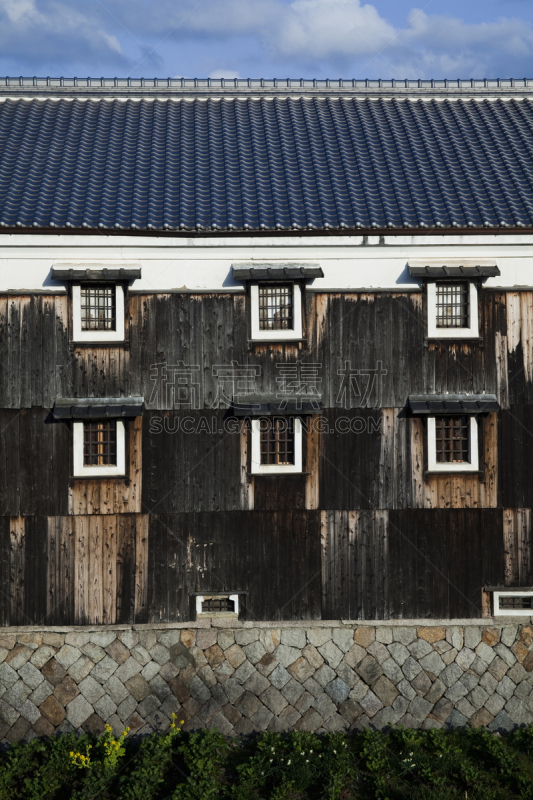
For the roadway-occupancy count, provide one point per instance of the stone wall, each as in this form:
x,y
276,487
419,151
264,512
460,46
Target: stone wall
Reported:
x,y
240,678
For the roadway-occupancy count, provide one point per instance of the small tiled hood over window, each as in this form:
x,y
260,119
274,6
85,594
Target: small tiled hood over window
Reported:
x,y
438,269
98,407
441,404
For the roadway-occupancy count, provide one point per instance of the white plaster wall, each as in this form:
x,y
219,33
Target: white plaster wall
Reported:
x,y
26,260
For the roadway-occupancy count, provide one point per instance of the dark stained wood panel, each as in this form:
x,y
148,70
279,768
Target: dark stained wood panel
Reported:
x,y
438,563
516,454
190,462
273,556
355,565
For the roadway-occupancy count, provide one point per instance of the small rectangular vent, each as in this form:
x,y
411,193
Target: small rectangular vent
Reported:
x,y
218,605
226,605
513,603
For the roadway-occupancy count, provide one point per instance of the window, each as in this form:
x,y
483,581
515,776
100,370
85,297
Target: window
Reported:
x,y
100,443
513,603
276,311
452,435
453,304
452,310
99,448
276,445
97,312
275,307
453,443
220,605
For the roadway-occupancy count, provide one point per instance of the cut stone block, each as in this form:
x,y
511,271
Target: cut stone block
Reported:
x,y
343,638
432,663
42,655
399,652
324,675
371,704
104,669
384,634
364,636
286,655
91,690
294,637
126,708
235,655
411,668
369,670
17,657
80,669
40,694
31,676
138,687
318,636
67,656
310,722
292,691
78,710
337,690
103,638
312,655
385,690
301,670
105,707
324,705
431,634
246,635
130,668
354,656
52,710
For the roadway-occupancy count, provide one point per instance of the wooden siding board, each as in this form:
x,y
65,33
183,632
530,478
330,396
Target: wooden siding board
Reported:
x,y
515,454
460,552
190,553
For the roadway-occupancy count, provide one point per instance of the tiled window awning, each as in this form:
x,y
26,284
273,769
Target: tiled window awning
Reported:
x,y
438,270
98,407
277,272
97,275
271,405
433,404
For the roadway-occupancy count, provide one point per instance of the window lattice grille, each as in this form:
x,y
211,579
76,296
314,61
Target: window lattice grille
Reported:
x,y
98,312
277,440
217,605
516,602
452,439
453,301
276,307
100,443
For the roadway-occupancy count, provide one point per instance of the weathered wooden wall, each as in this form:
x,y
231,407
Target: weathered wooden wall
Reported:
x,y
363,533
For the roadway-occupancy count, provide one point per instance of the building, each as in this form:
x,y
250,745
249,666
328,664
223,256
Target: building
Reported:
x,y
265,350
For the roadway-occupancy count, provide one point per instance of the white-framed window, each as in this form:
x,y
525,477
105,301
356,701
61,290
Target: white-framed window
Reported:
x,y
99,448
452,310
217,605
276,445
276,311
513,603
97,312
453,443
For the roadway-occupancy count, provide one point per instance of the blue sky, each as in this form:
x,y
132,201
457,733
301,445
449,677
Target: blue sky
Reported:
x,y
267,38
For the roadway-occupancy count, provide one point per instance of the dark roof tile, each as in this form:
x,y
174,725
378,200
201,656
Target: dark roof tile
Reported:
x,y
265,164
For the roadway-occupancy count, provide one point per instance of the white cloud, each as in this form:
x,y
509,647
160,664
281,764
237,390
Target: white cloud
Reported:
x,y
322,28
224,73
16,10
261,37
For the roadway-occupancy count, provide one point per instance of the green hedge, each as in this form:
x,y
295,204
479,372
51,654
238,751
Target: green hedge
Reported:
x,y
472,764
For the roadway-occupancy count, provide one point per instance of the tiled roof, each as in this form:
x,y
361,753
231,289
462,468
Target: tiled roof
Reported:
x,y
266,164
